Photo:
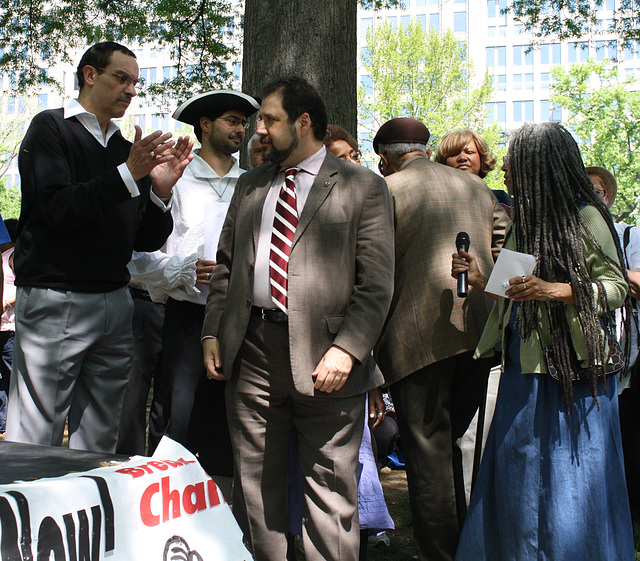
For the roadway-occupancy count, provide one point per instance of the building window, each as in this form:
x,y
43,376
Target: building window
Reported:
x,y
365,25
405,20
606,50
556,53
421,3
491,52
500,82
434,21
393,21
497,112
528,82
43,101
544,80
549,112
367,83
460,21
495,7
422,20
578,51
522,55
517,81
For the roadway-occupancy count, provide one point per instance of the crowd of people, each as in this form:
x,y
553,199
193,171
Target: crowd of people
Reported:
x,y
269,308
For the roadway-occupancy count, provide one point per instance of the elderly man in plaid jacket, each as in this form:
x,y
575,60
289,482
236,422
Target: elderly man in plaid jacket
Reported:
x,y
426,349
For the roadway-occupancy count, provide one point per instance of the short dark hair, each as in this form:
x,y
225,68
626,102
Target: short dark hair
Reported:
x,y
99,56
298,97
335,133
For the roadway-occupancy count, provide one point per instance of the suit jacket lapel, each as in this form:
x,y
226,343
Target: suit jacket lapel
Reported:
x,y
324,182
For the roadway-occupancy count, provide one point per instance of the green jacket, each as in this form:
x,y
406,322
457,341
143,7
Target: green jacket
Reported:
x,y
531,349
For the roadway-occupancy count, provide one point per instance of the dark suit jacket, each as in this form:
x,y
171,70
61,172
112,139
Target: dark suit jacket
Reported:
x,y
428,322
340,271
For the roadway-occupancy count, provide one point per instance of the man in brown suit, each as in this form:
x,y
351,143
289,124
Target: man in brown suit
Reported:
x,y
299,364
426,348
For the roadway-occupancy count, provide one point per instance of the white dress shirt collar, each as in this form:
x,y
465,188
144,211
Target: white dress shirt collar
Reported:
x,y
89,121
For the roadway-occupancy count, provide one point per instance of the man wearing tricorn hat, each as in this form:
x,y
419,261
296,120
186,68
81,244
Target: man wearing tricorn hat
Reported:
x,y
606,188
426,349
179,273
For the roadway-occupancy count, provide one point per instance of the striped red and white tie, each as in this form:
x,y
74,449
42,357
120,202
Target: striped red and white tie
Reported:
x,y
284,228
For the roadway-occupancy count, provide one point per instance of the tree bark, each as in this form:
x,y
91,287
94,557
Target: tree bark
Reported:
x,y
309,38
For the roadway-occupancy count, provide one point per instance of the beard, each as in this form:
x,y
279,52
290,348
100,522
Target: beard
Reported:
x,y
279,155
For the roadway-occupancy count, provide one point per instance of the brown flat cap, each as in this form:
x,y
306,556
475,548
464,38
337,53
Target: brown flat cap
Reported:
x,y
608,179
402,129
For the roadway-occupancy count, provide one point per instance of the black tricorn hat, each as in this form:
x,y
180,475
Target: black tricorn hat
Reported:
x,y
211,104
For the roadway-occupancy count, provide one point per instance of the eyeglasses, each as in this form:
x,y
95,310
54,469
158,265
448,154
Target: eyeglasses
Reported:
x,y
602,194
381,166
124,78
355,156
233,122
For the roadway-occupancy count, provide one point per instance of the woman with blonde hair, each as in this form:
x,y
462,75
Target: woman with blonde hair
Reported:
x,y
466,150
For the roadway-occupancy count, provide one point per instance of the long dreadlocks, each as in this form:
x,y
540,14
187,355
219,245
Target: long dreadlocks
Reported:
x,y
550,185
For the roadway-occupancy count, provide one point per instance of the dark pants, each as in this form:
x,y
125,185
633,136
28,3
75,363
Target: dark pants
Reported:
x,y
629,405
6,348
196,410
146,368
435,406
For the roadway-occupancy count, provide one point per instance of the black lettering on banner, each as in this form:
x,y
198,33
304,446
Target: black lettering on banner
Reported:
x,y
9,544
109,518
50,541
25,519
70,525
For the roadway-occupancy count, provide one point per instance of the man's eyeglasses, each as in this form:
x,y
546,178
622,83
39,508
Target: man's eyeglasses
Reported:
x,y
381,166
124,78
601,193
233,122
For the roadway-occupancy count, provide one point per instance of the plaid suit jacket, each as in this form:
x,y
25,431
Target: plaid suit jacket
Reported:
x,y
427,321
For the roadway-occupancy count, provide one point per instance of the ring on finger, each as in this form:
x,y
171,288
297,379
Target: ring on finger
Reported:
x,y
523,279
152,154
524,286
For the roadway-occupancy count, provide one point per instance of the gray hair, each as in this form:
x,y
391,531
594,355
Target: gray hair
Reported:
x,y
397,149
253,139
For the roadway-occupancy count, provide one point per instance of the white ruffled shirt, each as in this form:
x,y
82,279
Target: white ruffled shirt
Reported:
x,y
171,271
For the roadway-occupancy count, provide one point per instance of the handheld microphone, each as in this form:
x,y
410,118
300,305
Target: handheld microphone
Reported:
x,y
463,242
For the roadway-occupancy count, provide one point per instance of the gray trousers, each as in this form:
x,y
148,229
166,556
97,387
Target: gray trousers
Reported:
x,y
72,359
263,407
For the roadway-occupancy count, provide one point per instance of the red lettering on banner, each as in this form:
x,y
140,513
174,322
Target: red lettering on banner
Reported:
x,y
159,465
168,497
193,499
200,503
135,472
214,499
147,516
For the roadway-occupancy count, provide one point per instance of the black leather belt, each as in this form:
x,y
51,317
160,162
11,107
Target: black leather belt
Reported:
x,y
270,314
140,294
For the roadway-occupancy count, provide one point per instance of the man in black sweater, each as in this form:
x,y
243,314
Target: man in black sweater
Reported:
x,y
89,198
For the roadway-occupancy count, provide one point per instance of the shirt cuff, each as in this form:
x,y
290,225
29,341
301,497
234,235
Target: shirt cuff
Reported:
x,y
159,202
129,182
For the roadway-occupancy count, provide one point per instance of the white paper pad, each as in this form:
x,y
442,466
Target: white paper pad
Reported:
x,y
509,264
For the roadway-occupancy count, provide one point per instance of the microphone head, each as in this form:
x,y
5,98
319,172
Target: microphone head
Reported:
x,y
463,241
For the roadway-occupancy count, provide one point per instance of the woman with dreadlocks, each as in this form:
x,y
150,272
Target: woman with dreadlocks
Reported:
x,y
551,485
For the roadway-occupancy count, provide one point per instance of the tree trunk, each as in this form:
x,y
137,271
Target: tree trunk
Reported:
x,y
309,38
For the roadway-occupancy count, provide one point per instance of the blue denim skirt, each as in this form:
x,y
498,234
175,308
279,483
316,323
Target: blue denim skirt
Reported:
x,y
550,487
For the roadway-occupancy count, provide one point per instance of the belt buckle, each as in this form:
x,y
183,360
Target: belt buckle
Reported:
x,y
263,315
